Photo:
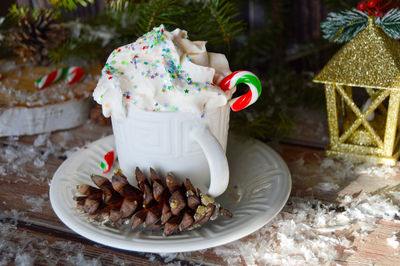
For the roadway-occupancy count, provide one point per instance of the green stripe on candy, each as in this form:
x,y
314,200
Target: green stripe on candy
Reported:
x,y
252,80
64,73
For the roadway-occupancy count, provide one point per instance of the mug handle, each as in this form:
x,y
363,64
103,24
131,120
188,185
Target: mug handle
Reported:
x,y
216,158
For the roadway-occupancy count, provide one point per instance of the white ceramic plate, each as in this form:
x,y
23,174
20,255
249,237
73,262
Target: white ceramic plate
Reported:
x,y
258,189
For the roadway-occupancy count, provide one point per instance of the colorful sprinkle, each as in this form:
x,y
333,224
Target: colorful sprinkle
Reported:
x,y
155,58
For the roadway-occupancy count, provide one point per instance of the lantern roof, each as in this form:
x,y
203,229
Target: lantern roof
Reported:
x,y
370,59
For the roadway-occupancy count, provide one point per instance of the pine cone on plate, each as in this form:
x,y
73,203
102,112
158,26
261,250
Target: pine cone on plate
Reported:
x,y
35,35
173,206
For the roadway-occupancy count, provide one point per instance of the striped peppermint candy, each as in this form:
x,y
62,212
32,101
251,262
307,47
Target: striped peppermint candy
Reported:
x,y
71,74
108,161
74,74
245,77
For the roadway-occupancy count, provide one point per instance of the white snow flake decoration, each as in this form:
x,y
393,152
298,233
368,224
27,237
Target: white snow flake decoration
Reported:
x,y
393,241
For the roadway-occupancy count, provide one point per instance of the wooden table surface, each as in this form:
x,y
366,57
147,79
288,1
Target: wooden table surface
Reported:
x,y
31,233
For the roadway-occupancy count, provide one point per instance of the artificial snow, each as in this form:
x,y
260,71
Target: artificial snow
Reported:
x,y
90,33
393,241
19,247
17,159
41,139
17,162
39,163
308,231
24,259
36,203
326,186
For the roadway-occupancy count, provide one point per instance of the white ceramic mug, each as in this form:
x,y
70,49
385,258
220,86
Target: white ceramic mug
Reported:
x,y
188,145
183,143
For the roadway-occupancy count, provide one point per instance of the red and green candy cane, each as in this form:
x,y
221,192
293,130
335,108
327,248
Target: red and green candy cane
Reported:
x,y
70,74
239,77
108,161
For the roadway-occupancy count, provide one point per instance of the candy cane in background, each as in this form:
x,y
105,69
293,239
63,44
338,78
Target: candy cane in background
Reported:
x,y
245,77
75,74
71,74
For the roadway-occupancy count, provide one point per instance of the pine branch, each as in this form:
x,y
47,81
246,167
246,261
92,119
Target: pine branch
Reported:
x,y
223,13
390,23
18,12
211,20
118,5
70,4
271,115
156,12
262,124
343,26
75,48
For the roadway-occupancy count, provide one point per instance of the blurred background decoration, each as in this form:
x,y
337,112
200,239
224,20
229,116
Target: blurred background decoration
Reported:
x,y
279,40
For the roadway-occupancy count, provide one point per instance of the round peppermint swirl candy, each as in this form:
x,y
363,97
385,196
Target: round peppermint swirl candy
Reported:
x,y
245,77
71,74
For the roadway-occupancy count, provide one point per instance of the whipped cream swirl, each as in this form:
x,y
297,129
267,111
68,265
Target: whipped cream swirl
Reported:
x,y
162,71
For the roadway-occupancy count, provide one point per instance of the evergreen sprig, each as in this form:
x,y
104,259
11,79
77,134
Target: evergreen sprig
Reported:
x,y
343,26
390,23
86,41
70,4
272,115
17,12
212,20
156,12
222,13
262,124
76,48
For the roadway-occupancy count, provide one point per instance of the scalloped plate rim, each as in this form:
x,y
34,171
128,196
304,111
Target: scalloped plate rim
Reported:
x,y
165,244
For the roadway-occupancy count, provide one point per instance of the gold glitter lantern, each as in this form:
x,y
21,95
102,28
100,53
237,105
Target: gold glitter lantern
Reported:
x,y
369,62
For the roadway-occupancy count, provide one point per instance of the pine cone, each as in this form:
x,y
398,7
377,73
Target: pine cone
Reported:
x,y
35,36
173,206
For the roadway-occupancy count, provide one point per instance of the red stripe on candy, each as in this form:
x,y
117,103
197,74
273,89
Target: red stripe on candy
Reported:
x,y
109,158
49,79
77,75
242,102
242,77
225,84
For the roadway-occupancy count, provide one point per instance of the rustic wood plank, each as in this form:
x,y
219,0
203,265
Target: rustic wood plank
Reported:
x,y
30,196
374,250
371,183
45,247
308,165
59,142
